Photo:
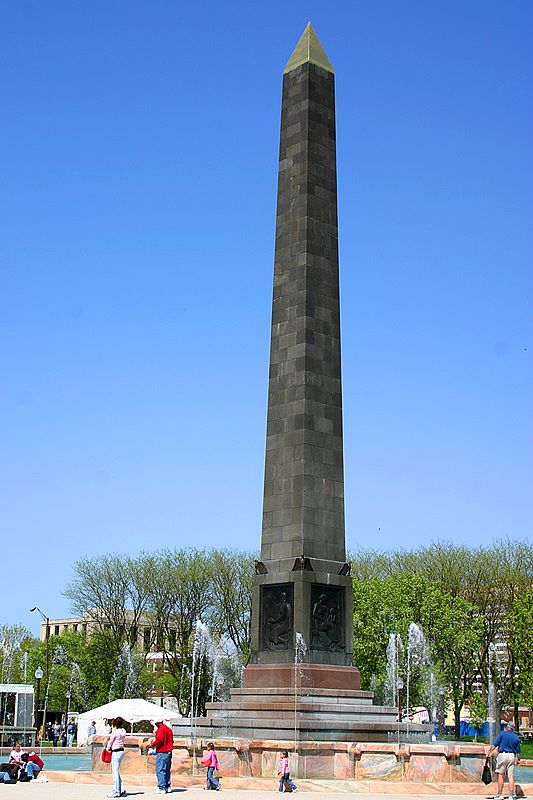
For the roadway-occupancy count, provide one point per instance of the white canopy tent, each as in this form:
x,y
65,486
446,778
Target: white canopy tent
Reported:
x,y
131,710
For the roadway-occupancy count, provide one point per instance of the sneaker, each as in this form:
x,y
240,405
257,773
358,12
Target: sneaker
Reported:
x,y
112,795
498,796
295,789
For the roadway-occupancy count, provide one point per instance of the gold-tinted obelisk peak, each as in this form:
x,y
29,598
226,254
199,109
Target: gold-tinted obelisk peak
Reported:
x,y
308,49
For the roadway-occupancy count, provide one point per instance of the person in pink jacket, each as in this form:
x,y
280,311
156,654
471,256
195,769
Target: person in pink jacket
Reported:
x,y
115,744
210,760
284,774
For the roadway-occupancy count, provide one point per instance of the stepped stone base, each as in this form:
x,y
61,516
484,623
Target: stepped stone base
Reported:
x,y
316,676
302,714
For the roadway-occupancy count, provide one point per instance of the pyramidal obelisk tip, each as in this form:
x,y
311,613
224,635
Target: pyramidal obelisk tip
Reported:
x,y
310,50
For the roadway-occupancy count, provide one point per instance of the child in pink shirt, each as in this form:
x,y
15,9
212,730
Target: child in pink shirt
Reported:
x,y
283,772
210,760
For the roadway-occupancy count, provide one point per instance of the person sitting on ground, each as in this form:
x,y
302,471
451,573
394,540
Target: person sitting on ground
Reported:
x,y
33,764
15,756
11,769
5,777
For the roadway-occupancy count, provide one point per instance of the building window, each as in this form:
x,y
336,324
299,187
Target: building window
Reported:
x,y
84,629
75,628
56,630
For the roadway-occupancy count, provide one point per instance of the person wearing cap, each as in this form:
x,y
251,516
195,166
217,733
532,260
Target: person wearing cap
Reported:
x,y
163,744
507,743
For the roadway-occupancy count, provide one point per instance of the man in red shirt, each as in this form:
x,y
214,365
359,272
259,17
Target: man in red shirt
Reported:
x,y
163,744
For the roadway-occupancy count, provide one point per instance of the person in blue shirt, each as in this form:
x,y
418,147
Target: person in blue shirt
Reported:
x,y
507,743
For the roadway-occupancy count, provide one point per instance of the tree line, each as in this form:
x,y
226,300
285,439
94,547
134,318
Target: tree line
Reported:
x,y
474,605
465,600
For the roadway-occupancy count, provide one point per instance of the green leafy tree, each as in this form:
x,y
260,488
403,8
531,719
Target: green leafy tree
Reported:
x,y
520,649
232,581
180,595
478,712
452,626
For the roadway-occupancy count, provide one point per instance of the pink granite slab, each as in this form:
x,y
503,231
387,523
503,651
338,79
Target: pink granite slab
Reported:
x,y
427,768
343,766
378,766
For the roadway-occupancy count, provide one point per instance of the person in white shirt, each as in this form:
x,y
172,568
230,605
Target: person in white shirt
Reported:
x,y
15,756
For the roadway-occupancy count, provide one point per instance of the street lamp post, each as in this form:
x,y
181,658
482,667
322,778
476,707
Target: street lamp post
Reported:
x,y
46,637
38,677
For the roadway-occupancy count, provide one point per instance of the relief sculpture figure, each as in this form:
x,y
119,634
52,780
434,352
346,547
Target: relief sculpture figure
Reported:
x,y
279,622
326,631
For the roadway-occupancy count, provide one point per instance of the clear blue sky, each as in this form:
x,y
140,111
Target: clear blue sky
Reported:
x,y
139,169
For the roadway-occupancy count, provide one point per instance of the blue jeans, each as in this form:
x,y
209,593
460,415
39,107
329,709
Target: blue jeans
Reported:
x,y
163,762
116,761
286,779
5,777
211,779
32,769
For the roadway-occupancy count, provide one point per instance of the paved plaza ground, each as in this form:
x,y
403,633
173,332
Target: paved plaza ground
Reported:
x,y
70,791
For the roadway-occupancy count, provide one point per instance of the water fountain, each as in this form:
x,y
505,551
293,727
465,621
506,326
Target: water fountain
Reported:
x,y
8,649
394,660
125,680
24,669
492,700
300,654
417,656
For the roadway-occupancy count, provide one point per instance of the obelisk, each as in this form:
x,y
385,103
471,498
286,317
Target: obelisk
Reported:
x,y
302,601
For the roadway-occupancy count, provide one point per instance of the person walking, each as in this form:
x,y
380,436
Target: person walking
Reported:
x,y
163,744
115,745
507,743
283,772
210,760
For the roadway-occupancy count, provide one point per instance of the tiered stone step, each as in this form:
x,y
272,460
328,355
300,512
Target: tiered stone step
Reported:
x,y
309,715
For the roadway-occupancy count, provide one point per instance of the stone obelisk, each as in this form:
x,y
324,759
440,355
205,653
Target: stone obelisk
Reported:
x,y
302,594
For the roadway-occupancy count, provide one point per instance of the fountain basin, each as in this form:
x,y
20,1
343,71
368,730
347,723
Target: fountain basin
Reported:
x,y
443,763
